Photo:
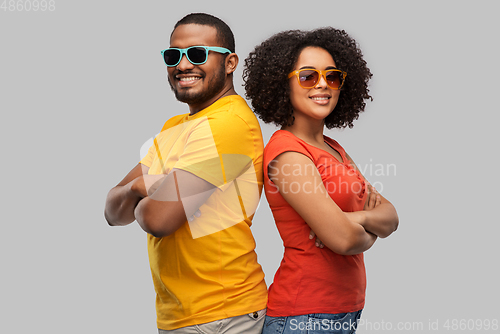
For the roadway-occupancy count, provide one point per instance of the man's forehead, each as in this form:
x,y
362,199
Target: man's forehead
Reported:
x,y
187,35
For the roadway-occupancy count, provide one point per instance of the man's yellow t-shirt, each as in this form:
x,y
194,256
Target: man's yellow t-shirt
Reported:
x,y
207,270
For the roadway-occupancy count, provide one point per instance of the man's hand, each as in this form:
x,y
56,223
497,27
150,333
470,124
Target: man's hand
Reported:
x,y
146,184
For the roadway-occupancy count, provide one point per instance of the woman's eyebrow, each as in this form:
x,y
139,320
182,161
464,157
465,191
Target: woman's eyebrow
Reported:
x,y
327,68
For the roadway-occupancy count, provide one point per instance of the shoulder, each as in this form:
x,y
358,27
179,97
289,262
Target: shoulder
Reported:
x,y
283,141
232,118
231,110
173,121
234,127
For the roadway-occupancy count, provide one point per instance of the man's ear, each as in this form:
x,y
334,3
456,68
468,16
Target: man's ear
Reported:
x,y
231,63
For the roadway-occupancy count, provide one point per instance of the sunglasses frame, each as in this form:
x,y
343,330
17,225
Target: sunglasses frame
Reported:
x,y
322,73
184,52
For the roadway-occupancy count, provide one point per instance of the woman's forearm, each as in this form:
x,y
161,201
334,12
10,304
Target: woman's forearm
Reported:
x,y
381,221
363,241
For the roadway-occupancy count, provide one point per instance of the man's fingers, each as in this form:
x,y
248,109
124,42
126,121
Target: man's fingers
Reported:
x,y
197,214
152,182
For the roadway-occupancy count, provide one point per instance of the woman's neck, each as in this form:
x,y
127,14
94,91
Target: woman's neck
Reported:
x,y
310,131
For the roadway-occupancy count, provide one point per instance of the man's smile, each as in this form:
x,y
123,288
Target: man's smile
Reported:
x,y
187,80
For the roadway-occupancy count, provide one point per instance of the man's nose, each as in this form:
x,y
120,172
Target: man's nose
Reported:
x,y
184,64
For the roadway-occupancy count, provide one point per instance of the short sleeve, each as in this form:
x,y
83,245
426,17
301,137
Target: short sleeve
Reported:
x,y
281,142
147,160
218,150
199,155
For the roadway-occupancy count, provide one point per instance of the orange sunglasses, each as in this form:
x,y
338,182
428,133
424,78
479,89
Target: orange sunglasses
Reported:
x,y
309,77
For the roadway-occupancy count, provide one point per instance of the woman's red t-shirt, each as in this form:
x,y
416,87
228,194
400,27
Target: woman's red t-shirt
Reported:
x,y
312,279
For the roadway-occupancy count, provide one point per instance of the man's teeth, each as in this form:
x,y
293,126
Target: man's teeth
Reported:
x,y
188,78
319,98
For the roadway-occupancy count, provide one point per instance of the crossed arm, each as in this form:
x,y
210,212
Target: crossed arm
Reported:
x,y
344,233
381,218
158,202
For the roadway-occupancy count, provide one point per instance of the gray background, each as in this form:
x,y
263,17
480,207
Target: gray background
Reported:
x,y
82,87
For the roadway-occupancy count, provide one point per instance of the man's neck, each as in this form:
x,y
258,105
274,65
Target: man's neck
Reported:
x,y
193,109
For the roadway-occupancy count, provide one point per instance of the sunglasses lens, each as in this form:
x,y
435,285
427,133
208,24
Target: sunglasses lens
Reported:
x,y
308,78
197,55
171,57
333,79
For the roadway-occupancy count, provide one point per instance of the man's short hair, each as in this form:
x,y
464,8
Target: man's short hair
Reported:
x,y
224,34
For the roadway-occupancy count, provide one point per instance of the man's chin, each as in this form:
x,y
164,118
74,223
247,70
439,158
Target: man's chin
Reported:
x,y
199,94
186,97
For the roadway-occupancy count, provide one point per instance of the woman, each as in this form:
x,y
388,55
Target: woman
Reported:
x,y
304,81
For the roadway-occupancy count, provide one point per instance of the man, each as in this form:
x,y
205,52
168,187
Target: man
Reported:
x,y
196,190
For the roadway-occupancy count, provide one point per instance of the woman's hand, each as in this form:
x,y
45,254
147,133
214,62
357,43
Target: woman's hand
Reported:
x,y
373,199
318,242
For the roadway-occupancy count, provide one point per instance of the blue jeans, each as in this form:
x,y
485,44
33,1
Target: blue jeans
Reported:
x,y
316,323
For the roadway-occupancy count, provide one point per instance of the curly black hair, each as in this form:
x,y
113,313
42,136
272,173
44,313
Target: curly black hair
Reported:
x,y
266,72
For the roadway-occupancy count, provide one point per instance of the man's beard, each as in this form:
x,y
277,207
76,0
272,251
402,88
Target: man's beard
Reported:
x,y
215,85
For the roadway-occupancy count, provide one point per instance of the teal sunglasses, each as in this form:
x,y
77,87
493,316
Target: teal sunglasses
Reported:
x,y
197,55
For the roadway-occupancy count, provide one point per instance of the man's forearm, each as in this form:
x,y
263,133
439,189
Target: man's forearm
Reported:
x,y
160,218
177,197
120,205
